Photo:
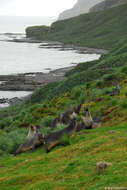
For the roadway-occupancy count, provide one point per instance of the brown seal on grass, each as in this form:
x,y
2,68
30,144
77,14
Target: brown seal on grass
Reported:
x,y
34,139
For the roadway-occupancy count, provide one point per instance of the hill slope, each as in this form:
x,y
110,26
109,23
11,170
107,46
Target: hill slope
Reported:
x,y
107,4
100,29
71,167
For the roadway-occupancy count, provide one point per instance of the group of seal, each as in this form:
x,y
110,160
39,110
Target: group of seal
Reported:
x,y
35,138
67,116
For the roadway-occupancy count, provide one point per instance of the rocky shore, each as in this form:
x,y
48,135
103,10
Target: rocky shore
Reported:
x,y
57,45
28,82
31,81
65,47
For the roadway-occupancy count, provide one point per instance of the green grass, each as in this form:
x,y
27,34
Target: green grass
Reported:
x,y
70,167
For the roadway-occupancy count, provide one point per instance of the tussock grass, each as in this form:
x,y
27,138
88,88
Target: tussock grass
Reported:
x,y
70,167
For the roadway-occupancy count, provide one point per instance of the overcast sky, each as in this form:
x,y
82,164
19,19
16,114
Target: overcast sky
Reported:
x,y
34,7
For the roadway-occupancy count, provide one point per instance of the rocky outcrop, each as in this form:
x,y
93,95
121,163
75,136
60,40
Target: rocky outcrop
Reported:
x,y
31,81
107,4
36,31
81,7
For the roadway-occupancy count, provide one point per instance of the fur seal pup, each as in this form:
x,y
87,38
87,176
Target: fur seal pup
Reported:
x,y
54,139
87,119
55,122
67,116
70,114
34,139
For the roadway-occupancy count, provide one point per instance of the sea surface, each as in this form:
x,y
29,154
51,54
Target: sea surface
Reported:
x,y
28,57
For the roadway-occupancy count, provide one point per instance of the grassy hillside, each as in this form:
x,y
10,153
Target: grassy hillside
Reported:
x,y
107,4
71,167
101,29
93,78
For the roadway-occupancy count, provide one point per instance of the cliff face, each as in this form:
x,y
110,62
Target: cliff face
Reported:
x,y
107,4
82,6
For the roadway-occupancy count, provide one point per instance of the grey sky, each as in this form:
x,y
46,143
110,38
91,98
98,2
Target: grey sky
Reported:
x,y
4,2
34,7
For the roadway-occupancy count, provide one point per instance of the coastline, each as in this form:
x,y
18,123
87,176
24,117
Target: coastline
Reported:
x,y
33,80
58,45
28,82
80,49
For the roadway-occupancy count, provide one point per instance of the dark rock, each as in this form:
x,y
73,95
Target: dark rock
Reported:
x,y
3,100
14,101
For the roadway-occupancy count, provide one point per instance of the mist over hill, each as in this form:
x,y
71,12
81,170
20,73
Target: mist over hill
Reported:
x,y
85,6
82,6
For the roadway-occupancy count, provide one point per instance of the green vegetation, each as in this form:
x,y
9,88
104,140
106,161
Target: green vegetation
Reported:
x,y
73,166
102,29
37,31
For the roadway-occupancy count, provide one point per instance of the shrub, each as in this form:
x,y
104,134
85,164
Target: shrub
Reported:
x,y
46,122
107,97
79,118
88,85
126,94
109,77
5,122
107,90
65,140
59,127
114,102
45,130
28,119
124,70
76,92
9,142
123,105
2,152
99,83
95,92
82,98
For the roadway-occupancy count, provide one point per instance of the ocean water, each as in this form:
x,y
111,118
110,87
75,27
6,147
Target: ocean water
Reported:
x,y
17,24
28,57
12,94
